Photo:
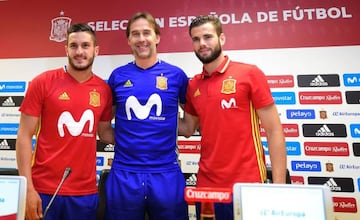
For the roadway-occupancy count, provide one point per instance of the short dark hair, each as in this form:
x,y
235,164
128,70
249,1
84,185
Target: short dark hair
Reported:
x,y
203,19
81,27
147,16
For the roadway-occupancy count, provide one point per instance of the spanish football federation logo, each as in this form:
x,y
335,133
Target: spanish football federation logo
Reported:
x,y
59,27
323,114
161,82
94,98
228,86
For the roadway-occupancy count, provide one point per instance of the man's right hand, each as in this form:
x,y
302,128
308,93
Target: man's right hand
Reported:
x,y
33,205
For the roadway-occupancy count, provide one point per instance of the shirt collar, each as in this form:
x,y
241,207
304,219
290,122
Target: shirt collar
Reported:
x,y
219,70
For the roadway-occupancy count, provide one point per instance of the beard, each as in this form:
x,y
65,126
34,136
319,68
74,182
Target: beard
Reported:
x,y
215,53
81,67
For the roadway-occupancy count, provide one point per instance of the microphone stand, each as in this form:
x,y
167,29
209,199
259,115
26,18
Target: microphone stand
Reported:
x,y
66,174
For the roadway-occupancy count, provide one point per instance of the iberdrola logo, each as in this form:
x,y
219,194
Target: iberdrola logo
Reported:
x,y
59,27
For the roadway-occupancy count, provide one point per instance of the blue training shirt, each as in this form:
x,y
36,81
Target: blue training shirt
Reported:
x,y
147,102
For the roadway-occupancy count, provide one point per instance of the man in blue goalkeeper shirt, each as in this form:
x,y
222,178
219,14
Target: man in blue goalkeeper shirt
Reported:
x,y
145,176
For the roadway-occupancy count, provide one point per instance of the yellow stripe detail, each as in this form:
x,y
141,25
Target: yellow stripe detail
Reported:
x,y
257,142
37,132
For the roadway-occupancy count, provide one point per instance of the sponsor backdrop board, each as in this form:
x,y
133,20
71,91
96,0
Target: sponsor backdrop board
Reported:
x,y
309,51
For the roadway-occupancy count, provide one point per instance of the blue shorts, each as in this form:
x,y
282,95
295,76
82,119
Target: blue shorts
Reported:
x,y
71,207
130,195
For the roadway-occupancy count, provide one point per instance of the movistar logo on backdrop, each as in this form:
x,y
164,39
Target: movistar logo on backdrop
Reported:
x,y
351,79
284,98
292,148
143,111
12,86
355,130
9,128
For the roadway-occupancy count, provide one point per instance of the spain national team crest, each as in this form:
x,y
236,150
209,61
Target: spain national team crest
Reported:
x,y
323,114
228,86
94,99
59,27
161,82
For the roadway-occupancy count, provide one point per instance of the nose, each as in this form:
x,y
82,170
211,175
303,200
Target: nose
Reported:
x,y
79,50
202,41
141,37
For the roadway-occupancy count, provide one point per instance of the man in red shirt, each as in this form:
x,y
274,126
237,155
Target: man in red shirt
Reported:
x,y
65,109
228,100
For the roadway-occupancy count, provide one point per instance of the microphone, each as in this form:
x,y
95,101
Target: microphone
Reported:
x,y
67,172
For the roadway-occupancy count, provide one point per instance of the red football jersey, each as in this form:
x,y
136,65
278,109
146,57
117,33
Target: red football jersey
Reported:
x,y
225,102
69,113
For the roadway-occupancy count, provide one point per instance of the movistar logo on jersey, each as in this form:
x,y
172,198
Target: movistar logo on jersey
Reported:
x,y
228,104
143,111
76,128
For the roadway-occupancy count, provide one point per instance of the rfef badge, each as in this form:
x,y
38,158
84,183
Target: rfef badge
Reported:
x,y
94,98
161,82
228,86
59,27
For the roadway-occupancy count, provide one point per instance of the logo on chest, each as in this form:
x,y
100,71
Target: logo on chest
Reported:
x,y
143,111
228,87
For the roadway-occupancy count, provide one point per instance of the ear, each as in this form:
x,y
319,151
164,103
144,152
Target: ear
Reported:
x,y
157,39
222,39
97,50
67,54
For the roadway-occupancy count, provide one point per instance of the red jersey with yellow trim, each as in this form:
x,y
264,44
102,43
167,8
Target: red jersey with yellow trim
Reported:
x,y
225,102
69,113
